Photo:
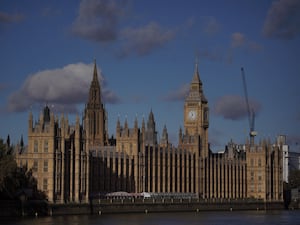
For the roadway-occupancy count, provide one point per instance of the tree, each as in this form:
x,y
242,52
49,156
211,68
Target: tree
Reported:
x,y
22,142
14,178
7,168
8,141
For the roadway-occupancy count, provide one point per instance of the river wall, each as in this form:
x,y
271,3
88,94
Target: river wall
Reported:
x,y
161,205
110,206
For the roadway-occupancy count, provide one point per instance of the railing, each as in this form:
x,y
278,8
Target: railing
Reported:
x,y
173,201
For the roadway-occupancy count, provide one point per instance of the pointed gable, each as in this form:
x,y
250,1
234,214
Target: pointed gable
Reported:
x,y
95,90
196,84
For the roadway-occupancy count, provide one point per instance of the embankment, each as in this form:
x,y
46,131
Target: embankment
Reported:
x,y
160,205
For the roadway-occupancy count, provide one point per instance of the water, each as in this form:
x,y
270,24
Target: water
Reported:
x,y
201,218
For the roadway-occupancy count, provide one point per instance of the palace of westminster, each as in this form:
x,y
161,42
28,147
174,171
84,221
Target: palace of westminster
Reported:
x,y
76,162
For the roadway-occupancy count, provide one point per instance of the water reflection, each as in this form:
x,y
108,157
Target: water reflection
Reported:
x,y
201,218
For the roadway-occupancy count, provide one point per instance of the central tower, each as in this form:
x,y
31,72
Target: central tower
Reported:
x,y
196,113
95,115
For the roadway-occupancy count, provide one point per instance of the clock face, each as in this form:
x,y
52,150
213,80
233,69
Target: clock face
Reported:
x,y
192,115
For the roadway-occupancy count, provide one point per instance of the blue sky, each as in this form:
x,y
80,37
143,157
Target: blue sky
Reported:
x,y
145,53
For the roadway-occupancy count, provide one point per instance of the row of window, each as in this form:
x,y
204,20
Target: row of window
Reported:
x,y
259,188
45,169
252,162
45,184
259,176
36,165
36,146
259,185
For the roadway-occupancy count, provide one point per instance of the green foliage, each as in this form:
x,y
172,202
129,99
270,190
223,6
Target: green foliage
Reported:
x,y
14,178
22,142
8,167
8,141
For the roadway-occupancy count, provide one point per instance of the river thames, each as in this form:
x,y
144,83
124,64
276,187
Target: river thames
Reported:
x,y
282,217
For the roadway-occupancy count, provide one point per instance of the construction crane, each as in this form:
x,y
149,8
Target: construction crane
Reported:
x,y
250,111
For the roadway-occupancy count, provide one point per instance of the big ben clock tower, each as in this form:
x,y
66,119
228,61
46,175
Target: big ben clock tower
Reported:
x,y
196,112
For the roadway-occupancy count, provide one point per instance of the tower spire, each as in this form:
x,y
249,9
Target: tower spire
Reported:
x,y
95,89
95,113
196,63
196,78
95,75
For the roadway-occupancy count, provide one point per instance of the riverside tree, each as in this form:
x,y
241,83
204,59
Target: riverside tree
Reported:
x,y
14,178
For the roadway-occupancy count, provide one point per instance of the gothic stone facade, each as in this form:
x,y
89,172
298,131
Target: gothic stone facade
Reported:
x,y
73,163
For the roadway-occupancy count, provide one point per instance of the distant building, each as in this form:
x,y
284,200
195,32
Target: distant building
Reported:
x,y
295,194
73,163
294,161
281,141
291,160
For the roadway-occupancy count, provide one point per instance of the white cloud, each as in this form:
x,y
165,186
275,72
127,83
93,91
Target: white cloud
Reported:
x,y
233,107
103,21
283,20
212,55
66,86
144,40
211,26
239,40
11,18
98,20
179,94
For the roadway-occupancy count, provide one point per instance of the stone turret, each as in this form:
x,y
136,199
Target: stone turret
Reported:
x,y
118,128
164,141
150,133
96,114
30,122
46,114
